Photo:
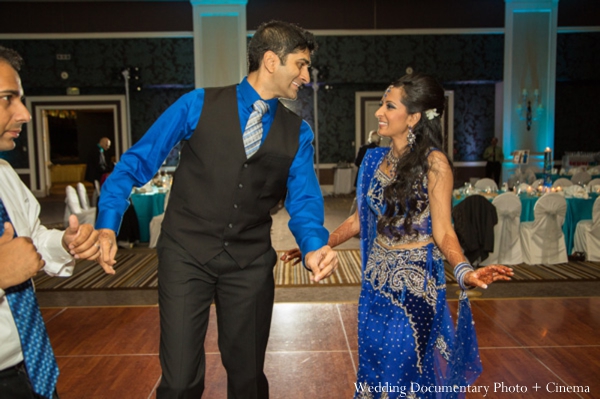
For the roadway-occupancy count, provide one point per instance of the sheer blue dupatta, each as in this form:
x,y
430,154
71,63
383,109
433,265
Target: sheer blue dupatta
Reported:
x,y
368,219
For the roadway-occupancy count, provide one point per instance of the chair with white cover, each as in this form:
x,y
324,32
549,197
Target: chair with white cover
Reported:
x,y
73,206
581,178
83,197
534,168
529,176
562,182
587,235
96,194
507,240
156,223
543,241
594,170
594,182
523,187
537,183
486,182
516,178
575,169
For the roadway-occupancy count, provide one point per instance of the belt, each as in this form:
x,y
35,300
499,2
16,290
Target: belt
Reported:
x,y
14,370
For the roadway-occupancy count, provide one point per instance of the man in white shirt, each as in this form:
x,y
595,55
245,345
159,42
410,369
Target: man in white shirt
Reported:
x,y
25,248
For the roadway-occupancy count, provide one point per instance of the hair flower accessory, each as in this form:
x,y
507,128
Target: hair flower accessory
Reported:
x,y
431,113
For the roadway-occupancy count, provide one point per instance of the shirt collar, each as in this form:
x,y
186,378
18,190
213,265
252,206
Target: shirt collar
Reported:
x,y
249,96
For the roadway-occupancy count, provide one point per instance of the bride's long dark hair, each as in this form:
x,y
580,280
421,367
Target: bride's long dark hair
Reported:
x,y
404,194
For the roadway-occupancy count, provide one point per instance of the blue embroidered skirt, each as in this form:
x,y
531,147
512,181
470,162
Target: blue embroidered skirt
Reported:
x,y
408,346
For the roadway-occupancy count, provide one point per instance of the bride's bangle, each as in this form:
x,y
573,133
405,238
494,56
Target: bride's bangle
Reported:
x,y
460,271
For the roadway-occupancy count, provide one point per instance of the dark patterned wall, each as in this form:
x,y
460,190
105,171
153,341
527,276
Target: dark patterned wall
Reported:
x,y
166,72
473,119
577,118
468,64
380,59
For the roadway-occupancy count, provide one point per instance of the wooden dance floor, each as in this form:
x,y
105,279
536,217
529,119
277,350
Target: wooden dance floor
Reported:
x,y
549,343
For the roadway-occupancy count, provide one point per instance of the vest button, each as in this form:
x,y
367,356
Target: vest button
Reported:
x,y
241,185
245,165
230,226
226,243
235,206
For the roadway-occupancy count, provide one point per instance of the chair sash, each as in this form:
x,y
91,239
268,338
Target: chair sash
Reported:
x,y
550,211
83,198
72,200
508,228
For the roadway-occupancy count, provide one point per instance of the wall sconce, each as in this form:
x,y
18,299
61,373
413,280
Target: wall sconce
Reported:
x,y
533,109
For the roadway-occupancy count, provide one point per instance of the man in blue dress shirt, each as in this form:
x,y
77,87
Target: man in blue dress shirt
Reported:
x,y
240,157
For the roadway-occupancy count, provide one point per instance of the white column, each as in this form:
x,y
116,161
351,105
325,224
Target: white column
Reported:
x,y
219,42
529,65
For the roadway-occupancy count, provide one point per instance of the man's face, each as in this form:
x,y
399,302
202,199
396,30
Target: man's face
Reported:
x,y
13,113
105,144
288,78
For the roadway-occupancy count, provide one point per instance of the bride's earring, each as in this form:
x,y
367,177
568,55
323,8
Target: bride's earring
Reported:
x,y
410,138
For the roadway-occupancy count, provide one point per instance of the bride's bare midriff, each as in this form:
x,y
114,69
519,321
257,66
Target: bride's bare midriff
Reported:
x,y
410,245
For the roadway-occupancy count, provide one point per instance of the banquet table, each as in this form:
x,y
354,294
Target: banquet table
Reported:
x,y
555,177
147,205
577,209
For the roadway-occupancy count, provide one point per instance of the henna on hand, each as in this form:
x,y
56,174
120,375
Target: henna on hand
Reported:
x,y
344,232
452,250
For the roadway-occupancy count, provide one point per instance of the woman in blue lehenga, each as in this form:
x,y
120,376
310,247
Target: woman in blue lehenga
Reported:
x,y
407,343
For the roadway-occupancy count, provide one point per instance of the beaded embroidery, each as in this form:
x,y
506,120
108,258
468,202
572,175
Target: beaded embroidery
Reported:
x,y
421,221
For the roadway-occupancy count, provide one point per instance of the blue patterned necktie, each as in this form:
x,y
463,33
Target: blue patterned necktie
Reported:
x,y
254,130
39,359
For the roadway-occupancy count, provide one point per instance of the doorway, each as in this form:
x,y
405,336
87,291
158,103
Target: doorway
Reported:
x,y
66,128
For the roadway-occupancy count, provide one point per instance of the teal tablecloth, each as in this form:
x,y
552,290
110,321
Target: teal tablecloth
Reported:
x,y
577,209
147,205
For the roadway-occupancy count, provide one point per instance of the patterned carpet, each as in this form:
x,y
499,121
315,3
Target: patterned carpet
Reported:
x,y
136,269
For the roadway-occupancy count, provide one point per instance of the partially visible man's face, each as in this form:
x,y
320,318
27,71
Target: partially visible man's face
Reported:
x,y
105,144
13,113
290,77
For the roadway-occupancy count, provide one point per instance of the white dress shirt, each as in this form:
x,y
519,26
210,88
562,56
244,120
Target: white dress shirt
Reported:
x,y
23,210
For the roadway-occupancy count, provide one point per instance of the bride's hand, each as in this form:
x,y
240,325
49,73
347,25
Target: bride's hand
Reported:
x,y
484,276
292,254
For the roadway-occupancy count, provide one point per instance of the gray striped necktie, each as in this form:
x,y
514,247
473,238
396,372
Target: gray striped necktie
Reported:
x,y
254,130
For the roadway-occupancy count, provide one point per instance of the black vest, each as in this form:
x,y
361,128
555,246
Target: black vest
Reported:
x,y
221,201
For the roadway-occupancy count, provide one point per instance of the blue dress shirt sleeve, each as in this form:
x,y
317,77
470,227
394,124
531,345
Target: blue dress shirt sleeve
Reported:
x,y
304,201
140,163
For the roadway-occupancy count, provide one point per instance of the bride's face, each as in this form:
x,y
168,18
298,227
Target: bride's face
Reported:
x,y
392,115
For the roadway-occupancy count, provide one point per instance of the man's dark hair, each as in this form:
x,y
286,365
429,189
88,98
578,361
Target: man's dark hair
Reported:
x,y
282,38
11,57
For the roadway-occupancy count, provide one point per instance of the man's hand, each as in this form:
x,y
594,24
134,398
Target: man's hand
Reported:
x,y
322,262
81,240
108,250
19,259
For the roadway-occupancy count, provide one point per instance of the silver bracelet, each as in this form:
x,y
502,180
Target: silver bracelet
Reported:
x,y
460,271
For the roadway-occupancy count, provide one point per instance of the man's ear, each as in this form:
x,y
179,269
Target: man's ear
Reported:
x,y
270,61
